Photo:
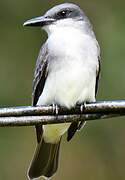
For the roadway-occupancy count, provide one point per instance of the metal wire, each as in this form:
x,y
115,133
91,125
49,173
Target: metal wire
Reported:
x,y
29,116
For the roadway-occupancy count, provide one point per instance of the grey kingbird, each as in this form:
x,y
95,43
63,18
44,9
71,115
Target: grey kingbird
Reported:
x,y
66,73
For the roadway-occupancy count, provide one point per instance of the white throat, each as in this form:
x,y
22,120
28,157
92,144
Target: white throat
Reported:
x,y
64,25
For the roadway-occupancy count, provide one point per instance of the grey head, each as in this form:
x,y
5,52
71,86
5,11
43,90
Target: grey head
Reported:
x,y
63,12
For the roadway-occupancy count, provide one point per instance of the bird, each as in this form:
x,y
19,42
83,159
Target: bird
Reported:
x,y
66,73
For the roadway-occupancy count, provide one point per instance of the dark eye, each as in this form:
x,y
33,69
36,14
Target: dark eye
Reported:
x,y
63,13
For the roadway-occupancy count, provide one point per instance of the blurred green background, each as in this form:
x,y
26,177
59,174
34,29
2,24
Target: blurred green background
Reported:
x,y
98,151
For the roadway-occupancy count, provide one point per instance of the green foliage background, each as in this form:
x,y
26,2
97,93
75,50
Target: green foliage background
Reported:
x,y
98,151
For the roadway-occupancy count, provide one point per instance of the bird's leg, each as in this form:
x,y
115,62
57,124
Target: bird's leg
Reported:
x,y
81,123
55,109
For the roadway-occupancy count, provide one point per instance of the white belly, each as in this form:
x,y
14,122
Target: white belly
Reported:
x,y
66,88
52,133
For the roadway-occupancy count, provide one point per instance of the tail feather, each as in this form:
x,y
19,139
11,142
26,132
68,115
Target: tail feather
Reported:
x,y
45,160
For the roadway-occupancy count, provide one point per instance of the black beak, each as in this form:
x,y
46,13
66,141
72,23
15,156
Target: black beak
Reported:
x,y
39,21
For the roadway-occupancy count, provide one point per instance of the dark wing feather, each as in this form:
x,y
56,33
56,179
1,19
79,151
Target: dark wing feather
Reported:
x,y
97,75
72,130
40,76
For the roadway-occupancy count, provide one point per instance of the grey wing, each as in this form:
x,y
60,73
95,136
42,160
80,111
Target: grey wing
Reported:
x,y
97,75
40,76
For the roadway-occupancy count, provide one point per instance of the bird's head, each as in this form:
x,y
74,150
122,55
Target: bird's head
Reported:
x,y
63,15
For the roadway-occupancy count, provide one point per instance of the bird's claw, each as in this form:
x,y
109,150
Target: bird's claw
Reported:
x,y
81,123
55,109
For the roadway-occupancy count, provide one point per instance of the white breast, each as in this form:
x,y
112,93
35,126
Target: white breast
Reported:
x,y
72,69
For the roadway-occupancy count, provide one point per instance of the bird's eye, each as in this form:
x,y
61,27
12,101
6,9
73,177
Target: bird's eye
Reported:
x,y
63,13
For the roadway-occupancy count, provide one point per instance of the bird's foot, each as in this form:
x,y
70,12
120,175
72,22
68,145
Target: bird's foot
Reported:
x,y
81,123
55,109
